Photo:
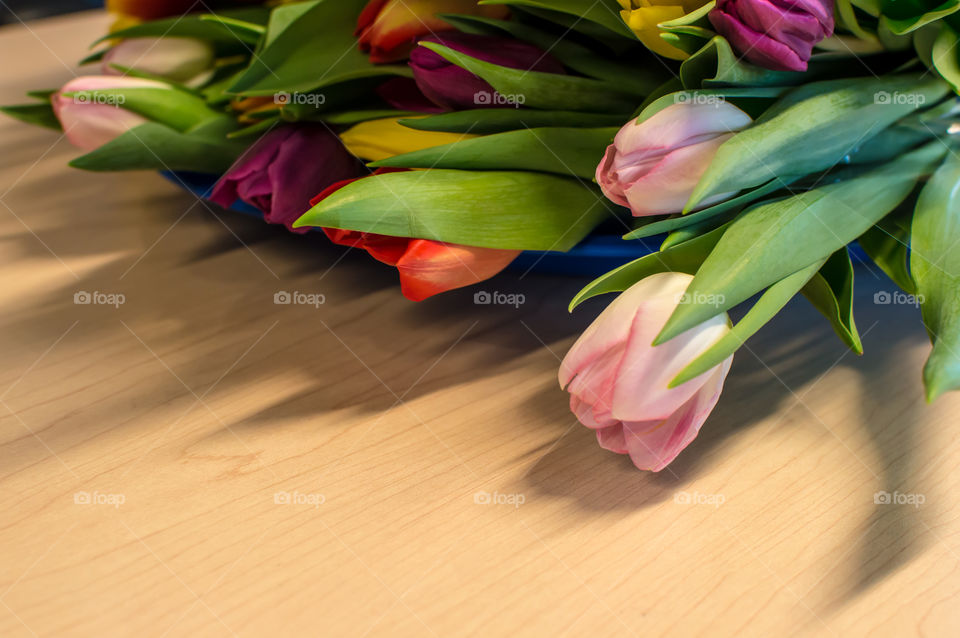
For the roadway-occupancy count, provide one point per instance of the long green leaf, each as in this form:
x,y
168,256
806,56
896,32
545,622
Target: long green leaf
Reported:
x,y
568,151
766,307
40,114
153,146
682,221
230,27
486,121
775,239
812,129
603,12
831,292
935,264
309,45
643,79
493,209
685,257
887,245
544,90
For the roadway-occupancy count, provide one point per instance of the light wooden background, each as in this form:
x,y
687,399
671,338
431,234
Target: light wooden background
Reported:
x,y
198,400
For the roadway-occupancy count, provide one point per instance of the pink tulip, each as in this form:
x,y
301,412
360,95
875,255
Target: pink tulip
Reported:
x,y
185,60
618,380
91,122
653,166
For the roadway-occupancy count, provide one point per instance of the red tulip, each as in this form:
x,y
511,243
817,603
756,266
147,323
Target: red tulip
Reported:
x,y
426,267
388,29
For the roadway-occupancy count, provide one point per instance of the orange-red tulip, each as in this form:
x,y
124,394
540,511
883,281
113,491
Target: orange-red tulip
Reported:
x,y
426,267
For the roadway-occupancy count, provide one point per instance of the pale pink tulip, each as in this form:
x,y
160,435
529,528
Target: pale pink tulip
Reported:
x,y
652,167
185,60
91,122
618,380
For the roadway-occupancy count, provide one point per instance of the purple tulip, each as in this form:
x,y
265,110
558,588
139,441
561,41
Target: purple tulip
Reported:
x,y
455,88
774,34
284,169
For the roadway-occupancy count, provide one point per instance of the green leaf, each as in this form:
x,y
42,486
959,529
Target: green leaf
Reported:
x,y
494,209
568,151
944,55
831,292
775,239
903,16
766,307
642,79
175,108
812,129
153,146
603,12
690,32
887,245
249,32
486,121
685,257
347,118
935,264
216,28
682,221
40,114
543,90
310,45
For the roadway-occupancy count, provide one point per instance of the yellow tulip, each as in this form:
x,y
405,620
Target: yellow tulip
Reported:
x,y
379,139
643,16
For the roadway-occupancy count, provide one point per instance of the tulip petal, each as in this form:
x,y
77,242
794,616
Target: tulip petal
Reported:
x,y
431,267
611,438
642,391
666,188
652,446
679,125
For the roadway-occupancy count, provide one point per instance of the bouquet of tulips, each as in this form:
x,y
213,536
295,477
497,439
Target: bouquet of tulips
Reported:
x,y
755,139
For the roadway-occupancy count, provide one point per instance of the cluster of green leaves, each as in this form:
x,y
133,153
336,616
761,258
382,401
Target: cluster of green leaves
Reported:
x,y
826,164
526,181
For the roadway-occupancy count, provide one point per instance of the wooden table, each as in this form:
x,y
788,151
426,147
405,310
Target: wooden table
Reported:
x,y
200,461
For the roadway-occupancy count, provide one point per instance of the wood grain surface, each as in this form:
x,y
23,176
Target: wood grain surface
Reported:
x,y
200,461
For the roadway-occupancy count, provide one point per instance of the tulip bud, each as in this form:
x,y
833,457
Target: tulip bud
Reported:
x,y
653,166
774,34
386,137
284,169
184,60
618,381
426,267
455,88
389,29
89,122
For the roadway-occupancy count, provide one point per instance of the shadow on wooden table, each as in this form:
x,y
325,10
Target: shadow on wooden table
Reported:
x,y
371,325
773,375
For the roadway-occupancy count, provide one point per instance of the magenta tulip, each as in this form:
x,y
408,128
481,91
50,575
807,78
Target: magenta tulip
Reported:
x,y
455,88
774,34
618,381
653,166
90,122
284,169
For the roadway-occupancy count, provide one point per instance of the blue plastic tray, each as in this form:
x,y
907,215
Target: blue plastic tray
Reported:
x,y
593,256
